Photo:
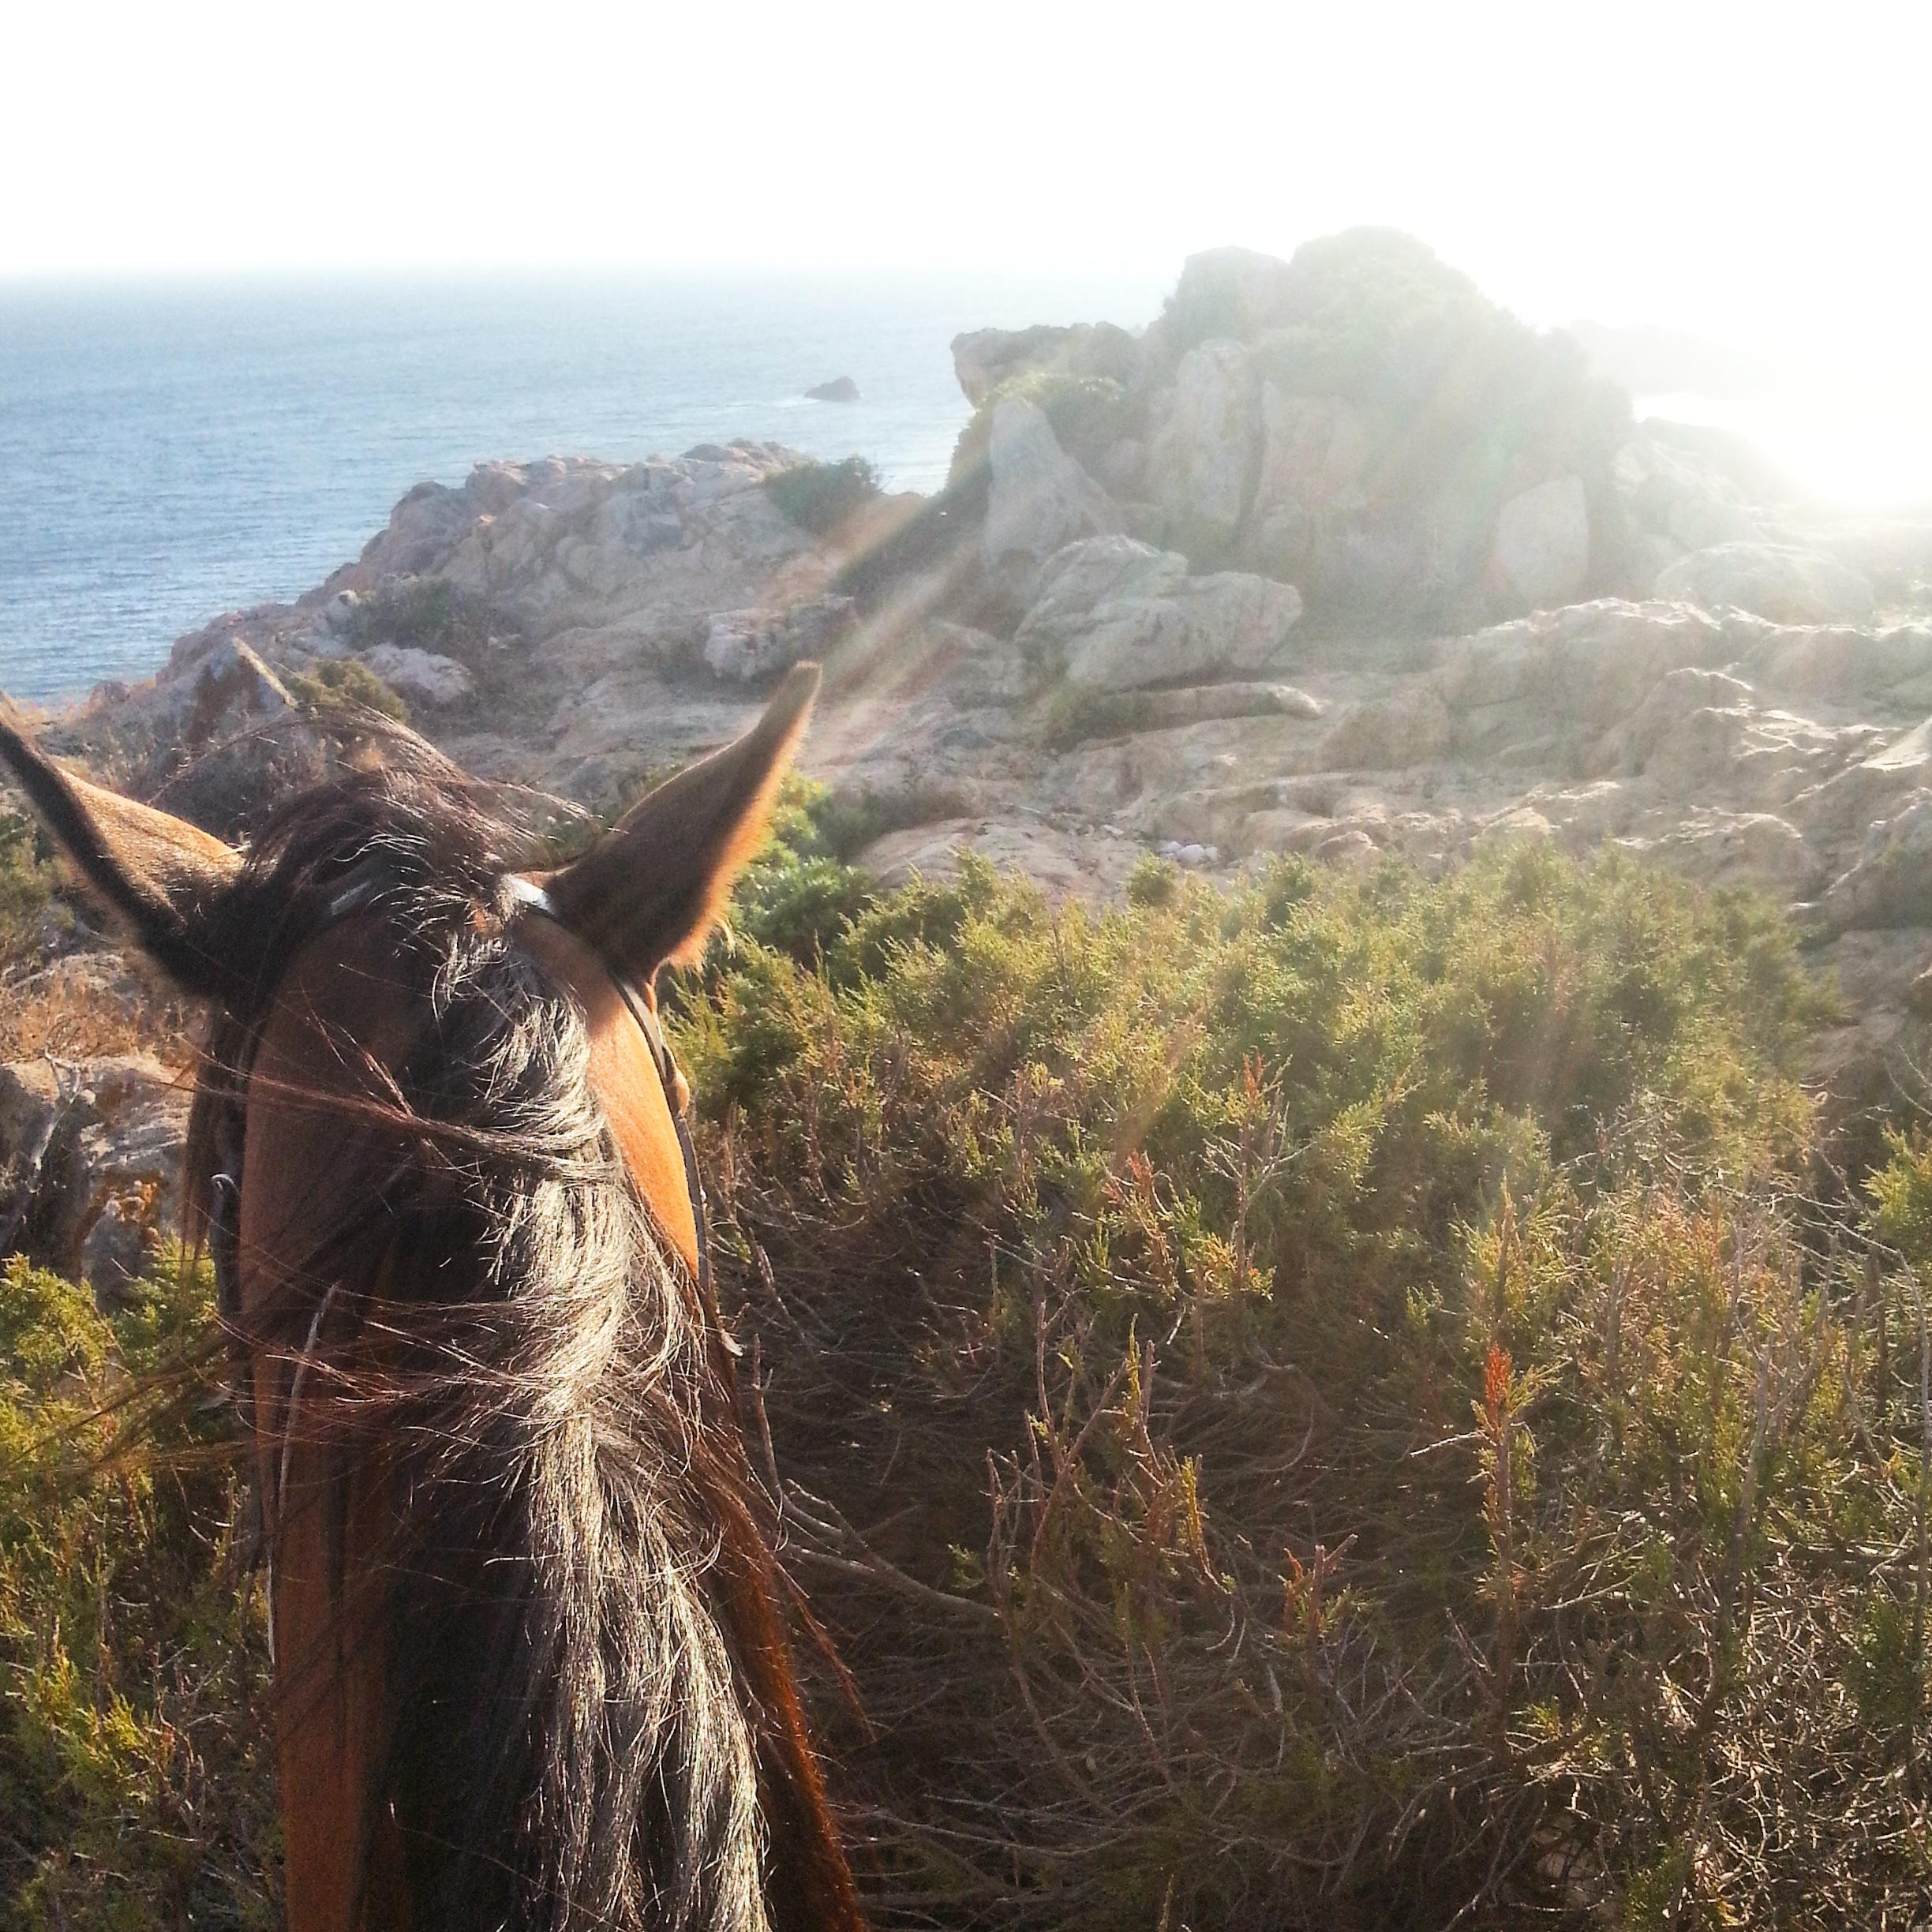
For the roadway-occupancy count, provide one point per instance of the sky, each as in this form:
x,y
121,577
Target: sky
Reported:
x,y
1758,173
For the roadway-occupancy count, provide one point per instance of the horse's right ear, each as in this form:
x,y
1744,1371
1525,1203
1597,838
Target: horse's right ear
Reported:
x,y
159,874
647,894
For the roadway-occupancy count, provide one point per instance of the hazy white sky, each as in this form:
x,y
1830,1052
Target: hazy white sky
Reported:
x,y
1757,171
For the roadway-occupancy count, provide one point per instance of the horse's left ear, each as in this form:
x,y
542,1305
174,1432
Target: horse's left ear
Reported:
x,y
649,892
161,875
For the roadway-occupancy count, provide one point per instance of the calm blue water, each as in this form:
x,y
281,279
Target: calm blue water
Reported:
x,y
170,451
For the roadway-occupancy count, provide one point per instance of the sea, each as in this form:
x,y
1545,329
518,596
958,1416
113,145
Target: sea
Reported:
x,y
170,451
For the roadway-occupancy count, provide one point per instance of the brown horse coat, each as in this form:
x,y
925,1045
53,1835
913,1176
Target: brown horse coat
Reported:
x,y
529,1669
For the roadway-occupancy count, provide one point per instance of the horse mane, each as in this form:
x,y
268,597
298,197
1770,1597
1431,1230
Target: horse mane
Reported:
x,y
594,1720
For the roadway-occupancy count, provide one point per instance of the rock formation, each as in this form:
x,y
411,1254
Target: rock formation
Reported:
x,y
1200,590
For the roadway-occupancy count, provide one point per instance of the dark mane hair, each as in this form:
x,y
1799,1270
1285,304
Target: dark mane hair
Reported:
x,y
592,1715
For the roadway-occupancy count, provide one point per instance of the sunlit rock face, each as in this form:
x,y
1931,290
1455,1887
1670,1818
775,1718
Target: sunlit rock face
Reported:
x,y
1542,546
1333,560
1785,583
1112,614
1038,499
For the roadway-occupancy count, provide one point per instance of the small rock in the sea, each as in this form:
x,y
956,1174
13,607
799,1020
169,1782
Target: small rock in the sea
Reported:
x,y
839,389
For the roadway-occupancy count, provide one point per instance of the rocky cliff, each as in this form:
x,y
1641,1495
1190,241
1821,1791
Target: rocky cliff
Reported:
x,y
1334,559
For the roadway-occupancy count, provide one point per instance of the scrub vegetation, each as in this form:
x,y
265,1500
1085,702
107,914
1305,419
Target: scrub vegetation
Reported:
x,y
1351,1399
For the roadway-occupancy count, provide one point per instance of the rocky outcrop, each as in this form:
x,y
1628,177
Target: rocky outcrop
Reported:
x,y
90,1164
1113,615
745,646
1038,499
984,359
839,389
1783,581
565,543
1542,546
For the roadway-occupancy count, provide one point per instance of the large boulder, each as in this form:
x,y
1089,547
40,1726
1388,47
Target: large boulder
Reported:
x,y
1314,452
1681,495
423,677
1587,665
1038,499
742,646
1891,882
1114,615
1541,550
1783,581
1719,848
1202,462
1848,664
1411,728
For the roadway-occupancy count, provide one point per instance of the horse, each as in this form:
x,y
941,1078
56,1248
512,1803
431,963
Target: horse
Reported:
x,y
530,1668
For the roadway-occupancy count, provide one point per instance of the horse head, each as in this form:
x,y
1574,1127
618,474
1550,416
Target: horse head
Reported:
x,y
529,1669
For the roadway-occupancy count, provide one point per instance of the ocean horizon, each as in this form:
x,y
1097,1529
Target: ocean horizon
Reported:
x,y
173,450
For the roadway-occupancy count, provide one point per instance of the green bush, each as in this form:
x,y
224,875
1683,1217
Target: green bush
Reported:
x,y
1089,414
1324,1402
820,497
1153,881
339,683
134,1766
28,878
423,613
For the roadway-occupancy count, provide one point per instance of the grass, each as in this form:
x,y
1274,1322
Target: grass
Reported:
x,y
1336,1401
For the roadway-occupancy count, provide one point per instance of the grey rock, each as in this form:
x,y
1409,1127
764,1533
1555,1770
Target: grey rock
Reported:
x,y
86,1141
1202,457
1113,615
1890,884
1782,582
1411,728
743,647
423,677
1038,499
1542,546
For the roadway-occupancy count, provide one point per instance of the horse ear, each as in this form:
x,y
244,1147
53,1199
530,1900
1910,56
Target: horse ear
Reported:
x,y
161,875
648,893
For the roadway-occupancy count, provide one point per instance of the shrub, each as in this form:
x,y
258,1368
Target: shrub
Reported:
x,y
27,882
1089,414
342,683
820,497
1153,881
423,613
1319,1403
134,1771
